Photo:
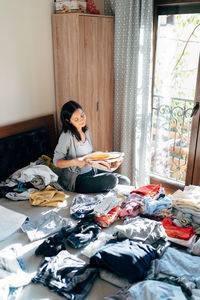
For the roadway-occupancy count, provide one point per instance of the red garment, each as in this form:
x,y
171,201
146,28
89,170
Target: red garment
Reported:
x,y
91,7
109,218
148,190
174,231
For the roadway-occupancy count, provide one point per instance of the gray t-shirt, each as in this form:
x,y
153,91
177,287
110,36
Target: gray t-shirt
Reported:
x,y
82,150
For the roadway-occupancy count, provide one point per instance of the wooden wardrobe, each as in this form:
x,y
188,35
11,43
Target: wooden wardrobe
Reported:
x,y
83,60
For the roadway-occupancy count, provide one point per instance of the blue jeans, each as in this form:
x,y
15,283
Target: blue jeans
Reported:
x,y
99,181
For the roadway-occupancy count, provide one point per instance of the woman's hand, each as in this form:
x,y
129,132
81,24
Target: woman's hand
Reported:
x,y
80,162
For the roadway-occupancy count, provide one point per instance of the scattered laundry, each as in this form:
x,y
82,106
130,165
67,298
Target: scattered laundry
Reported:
x,y
48,197
131,240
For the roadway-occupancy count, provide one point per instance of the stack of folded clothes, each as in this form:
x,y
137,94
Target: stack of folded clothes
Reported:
x,y
106,161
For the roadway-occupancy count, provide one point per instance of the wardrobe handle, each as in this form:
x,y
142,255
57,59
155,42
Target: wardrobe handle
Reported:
x,y
97,106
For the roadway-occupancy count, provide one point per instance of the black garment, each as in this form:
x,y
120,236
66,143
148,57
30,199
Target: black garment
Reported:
x,y
67,275
19,187
125,258
53,245
100,182
83,234
76,237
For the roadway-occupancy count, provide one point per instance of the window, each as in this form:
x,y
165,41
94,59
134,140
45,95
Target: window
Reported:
x,y
175,153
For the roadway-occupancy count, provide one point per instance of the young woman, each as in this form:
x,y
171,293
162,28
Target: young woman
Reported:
x,y
74,142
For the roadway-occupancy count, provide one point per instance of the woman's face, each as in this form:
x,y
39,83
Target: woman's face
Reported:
x,y
78,119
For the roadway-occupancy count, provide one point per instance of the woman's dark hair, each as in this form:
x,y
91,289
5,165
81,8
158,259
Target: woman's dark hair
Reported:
x,y
66,112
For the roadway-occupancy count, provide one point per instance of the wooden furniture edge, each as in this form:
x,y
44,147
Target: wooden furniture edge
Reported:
x,y
82,14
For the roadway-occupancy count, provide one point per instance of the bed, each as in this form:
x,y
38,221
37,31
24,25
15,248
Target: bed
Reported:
x,y
25,142
20,144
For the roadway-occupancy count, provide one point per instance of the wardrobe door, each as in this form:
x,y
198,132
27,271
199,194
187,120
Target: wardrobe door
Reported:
x,y
88,73
96,77
66,63
83,63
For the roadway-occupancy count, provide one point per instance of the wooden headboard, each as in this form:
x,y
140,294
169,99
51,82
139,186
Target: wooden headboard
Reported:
x,y
23,142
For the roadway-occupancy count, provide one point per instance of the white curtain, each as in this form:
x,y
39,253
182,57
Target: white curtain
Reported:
x,y
133,79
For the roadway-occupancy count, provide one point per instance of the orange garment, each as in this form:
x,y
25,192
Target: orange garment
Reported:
x,y
184,233
148,190
109,218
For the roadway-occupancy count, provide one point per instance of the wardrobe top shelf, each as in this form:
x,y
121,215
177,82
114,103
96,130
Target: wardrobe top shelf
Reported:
x,y
81,14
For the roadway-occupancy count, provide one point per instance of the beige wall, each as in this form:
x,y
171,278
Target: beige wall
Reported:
x,y
26,60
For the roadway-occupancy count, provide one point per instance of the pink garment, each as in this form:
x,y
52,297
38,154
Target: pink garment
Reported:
x,y
131,206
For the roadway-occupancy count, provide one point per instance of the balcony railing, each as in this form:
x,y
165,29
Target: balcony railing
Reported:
x,y
171,127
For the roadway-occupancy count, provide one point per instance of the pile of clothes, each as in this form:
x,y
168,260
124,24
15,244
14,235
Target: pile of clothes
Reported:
x,y
37,183
134,253
129,239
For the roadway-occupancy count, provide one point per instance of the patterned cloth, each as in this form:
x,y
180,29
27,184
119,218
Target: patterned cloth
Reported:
x,y
67,275
132,100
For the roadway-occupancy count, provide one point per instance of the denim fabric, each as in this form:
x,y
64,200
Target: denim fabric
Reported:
x,y
95,181
178,264
155,290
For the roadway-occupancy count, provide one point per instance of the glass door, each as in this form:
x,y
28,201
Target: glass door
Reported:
x,y
193,166
175,93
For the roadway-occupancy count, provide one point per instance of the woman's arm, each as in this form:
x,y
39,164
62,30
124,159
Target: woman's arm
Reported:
x,y
63,163
61,149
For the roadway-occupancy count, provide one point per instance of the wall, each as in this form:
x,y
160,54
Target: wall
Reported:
x,y
26,60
